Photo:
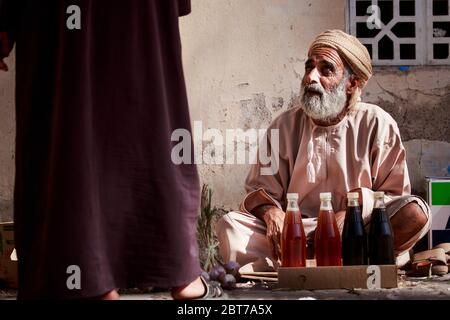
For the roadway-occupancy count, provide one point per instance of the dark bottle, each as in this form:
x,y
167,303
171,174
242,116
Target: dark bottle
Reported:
x,y
354,237
381,236
293,240
327,241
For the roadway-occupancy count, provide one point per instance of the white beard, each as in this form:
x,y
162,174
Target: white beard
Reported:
x,y
326,106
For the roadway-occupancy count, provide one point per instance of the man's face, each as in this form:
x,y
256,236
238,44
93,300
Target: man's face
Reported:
x,y
324,85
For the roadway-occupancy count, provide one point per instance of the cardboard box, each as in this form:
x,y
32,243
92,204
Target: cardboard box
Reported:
x,y
348,277
438,197
8,266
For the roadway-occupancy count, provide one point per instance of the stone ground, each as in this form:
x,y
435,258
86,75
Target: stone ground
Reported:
x,y
431,288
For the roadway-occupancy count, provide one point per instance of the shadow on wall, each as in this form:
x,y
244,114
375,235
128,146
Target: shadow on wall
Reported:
x,y
259,111
6,210
426,158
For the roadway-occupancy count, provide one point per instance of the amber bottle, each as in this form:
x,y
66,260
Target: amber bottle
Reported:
x,y
293,240
327,238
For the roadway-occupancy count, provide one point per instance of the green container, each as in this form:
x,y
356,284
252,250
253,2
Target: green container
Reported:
x,y
438,197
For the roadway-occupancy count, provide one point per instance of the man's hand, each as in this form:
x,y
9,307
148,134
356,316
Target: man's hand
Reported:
x,y
274,219
4,50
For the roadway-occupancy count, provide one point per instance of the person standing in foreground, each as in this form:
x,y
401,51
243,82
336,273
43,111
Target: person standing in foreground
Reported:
x,y
333,143
99,91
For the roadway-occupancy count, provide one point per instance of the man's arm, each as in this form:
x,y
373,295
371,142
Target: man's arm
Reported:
x,y
388,168
260,211
274,219
266,193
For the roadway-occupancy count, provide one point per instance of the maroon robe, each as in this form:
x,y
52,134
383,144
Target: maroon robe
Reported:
x,y
95,186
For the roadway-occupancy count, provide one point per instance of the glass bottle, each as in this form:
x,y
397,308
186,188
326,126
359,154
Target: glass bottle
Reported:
x,y
327,238
293,240
381,236
354,236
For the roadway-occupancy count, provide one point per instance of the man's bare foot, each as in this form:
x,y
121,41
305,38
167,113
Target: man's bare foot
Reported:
x,y
112,295
193,290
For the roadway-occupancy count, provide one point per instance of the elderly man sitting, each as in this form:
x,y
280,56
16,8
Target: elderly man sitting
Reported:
x,y
334,143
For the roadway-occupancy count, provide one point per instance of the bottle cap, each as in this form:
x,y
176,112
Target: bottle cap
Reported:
x,y
378,194
352,195
325,196
292,196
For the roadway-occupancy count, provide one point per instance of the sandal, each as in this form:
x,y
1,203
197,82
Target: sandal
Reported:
x,y
213,290
445,246
429,262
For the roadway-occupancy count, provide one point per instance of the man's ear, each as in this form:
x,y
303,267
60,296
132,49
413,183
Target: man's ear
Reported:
x,y
352,84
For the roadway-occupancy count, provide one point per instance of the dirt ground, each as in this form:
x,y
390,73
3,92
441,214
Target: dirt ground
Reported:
x,y
431,288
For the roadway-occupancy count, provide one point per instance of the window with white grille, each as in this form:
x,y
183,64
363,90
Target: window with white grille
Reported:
x,y
402,32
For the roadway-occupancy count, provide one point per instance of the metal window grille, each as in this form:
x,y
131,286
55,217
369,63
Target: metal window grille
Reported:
x,y
406,32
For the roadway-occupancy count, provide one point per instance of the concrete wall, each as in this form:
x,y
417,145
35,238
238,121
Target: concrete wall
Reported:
x,y
243,63
419,100
7,140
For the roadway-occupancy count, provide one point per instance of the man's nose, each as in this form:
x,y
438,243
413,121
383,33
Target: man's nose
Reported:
x,y
312,76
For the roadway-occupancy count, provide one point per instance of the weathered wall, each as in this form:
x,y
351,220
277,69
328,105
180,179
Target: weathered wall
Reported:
x,y
419,100
243,63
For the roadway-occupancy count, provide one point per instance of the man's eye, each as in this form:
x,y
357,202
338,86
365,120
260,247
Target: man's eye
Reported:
x,y
327,71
